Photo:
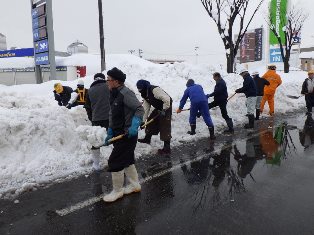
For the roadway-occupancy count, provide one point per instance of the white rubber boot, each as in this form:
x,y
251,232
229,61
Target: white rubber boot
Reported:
x,y
117,185
96,158
132,176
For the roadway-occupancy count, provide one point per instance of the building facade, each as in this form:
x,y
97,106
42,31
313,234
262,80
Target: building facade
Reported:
x,y
3,42
77,47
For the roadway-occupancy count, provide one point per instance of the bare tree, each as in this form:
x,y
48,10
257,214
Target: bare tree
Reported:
x,y
291,24
101,37
227,14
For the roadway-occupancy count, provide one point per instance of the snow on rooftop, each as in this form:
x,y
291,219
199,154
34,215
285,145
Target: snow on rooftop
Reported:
x,y
307,55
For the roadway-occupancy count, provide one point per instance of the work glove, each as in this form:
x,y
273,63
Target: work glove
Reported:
x,y
179,110
198,114
133,129
109,136
237,91
162,113
68,106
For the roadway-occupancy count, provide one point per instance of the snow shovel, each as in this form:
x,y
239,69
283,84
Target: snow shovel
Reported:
x,y
294,96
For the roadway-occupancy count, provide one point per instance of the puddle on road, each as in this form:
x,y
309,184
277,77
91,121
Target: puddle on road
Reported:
x,y
219,177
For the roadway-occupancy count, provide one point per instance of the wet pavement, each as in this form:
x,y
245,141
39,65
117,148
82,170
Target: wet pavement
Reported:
x,y
241,184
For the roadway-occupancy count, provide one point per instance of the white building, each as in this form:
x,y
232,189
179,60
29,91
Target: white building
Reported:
x,y
77,47
3,42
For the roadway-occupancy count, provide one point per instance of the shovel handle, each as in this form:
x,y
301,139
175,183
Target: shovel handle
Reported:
x,y
150,121
231,97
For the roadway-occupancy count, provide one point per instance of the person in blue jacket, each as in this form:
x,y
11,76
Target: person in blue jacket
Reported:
x,y
220,95
250,91
198,104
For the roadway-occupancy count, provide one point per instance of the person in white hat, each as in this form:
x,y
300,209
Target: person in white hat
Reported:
x,y
308,91
260,84
249,89
78,97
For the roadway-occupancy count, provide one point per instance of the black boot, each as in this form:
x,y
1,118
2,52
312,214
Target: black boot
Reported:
x,y
230,127
192,131
250,125
258,113
211,132
146,139
166,149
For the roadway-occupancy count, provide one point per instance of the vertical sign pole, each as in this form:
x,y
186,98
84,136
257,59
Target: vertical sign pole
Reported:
x,y
38,76
51,43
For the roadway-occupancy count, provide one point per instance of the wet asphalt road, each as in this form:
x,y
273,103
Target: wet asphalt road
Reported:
x,y
243,184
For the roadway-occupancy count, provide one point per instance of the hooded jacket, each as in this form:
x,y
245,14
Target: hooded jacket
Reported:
x,y
260,84
196,94
249,87
97,103
220,93
275,81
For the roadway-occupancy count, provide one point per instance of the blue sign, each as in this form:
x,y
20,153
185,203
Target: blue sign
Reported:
x,y
35,23
41,46
275,55
25,52
42,59
39,33
36,34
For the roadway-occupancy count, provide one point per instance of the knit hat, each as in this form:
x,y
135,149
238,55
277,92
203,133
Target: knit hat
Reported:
x,y
142,84
116,74
190,82
99,76
272,67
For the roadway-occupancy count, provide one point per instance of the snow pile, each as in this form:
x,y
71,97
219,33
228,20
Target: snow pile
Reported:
x,y
42,142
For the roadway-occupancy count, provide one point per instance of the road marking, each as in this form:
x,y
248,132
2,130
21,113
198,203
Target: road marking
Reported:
x,y
93,200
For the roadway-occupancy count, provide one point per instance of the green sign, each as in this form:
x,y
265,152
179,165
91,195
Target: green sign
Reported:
x,y
278,12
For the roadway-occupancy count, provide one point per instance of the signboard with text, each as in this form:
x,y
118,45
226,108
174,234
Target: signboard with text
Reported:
x,y
42,58
41,46
251,47
25,52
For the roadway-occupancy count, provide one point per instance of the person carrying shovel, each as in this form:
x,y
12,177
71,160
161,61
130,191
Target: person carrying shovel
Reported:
x,y
160,118
220,95
125,118
308,91
198,103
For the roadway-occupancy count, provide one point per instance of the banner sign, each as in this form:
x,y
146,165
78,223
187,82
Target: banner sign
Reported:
x,y
258,44
278,19
251,47
32,69
25,52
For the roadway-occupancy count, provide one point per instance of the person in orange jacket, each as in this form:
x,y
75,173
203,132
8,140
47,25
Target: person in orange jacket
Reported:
x,y
269,91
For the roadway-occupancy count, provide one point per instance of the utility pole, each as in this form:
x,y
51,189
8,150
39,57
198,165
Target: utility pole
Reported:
x,y
140,52
101,37
196,53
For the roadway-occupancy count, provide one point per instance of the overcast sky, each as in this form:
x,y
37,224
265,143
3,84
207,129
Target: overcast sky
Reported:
x,y
161,28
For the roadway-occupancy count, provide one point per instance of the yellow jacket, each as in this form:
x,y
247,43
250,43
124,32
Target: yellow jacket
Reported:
x,y
274,80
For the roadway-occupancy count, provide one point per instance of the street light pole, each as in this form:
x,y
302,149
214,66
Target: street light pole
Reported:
x,y
101,37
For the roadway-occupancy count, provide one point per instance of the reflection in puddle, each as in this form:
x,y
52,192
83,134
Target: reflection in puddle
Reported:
x,y
221,175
